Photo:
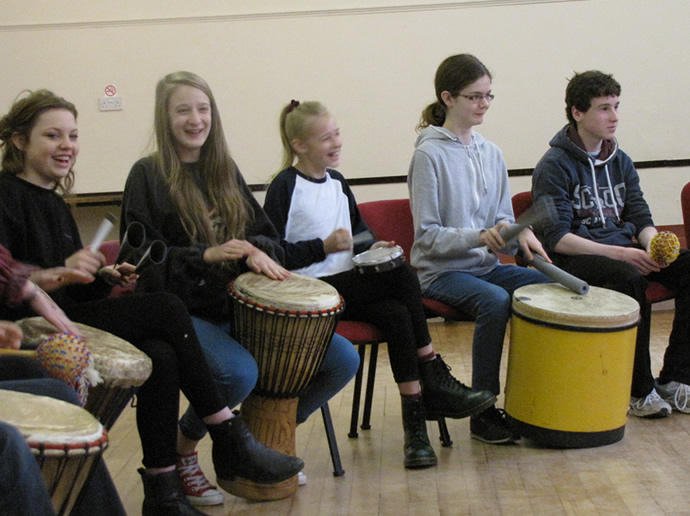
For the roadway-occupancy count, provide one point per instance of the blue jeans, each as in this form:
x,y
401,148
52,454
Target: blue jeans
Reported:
x,y
488,299
21,483
235,372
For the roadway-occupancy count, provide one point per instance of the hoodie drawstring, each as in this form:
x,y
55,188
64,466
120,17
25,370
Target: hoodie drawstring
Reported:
x,y
596,192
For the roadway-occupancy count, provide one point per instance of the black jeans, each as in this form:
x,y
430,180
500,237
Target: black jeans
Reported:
x,y
623,277
159,325
392,301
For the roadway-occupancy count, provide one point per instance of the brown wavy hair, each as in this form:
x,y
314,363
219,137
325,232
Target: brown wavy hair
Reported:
x,y
217,168
20,121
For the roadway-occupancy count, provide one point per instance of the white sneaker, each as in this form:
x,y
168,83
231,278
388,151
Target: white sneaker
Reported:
x,y
196,487
651,406
677,395
301,478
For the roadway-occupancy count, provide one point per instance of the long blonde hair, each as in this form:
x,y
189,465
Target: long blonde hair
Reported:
x,y
217,168
296,120
20,121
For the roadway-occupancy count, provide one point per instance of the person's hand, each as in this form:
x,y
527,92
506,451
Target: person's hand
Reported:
x,y
382,243
638,258
530,243
86,261
339,240
44,305
10,335
260,262
231,250
492,237
121,275
57,277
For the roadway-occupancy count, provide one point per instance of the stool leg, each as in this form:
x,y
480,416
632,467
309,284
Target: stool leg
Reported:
x,y
371,378
332,442
356,396
446,441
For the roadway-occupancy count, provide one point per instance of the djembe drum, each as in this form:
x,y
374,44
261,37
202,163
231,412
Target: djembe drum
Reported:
x,y
122,367
65,439
570,365
287,326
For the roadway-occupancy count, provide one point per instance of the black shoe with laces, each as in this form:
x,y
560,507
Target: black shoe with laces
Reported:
x,y
492,427
418,450
445,396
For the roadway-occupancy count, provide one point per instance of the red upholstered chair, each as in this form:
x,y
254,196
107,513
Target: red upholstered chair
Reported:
x,y
656,292
362,334
685,207
392,220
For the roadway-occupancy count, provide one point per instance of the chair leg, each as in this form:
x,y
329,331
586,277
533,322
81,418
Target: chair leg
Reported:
x,y
371,378
446,441
356,396
332,442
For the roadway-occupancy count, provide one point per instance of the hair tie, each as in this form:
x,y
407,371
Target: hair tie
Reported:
x,y
293,104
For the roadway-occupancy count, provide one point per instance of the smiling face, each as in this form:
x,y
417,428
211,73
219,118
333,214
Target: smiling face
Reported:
x,y
320,149
51,149
189,112
599,122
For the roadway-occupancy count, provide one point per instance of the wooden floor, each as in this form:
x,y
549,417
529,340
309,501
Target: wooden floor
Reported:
x,y
646,473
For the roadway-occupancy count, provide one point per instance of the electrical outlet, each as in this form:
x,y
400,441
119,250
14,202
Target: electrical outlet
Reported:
x,y
110,104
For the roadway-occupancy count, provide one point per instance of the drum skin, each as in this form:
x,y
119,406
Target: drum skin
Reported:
x,y
65,439
122,367
570,365
287,327
381,259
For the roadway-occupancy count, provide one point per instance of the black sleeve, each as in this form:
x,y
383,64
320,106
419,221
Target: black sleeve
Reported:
x,y
277,207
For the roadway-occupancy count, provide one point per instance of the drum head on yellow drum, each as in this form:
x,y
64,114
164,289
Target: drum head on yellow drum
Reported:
x,y
297,293
554,303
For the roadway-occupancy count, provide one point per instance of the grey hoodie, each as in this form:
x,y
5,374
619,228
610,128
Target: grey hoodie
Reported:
x,y
456,190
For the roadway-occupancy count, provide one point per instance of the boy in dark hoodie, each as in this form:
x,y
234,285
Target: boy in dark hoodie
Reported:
x,y
604,229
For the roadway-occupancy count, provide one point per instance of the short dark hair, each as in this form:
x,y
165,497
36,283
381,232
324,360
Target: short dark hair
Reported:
x,y
585,86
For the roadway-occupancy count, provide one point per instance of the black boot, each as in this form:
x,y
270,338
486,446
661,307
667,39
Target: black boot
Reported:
x,y
418,450
163,496
237,454
444,396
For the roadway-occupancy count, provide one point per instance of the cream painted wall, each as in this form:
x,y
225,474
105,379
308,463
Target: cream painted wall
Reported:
x,y
371,61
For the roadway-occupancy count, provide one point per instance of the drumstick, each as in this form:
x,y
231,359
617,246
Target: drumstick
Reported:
x,y
31,353
559,275
536,214
102,232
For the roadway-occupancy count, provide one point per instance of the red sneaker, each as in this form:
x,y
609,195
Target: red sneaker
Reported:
x,y
196,487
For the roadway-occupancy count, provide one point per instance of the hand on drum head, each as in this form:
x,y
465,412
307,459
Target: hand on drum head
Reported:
x,y
339,240
261,263
382,243
231,250
58,277
10,335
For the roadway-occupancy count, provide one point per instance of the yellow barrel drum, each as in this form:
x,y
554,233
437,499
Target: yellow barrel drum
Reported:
x,y
570,365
